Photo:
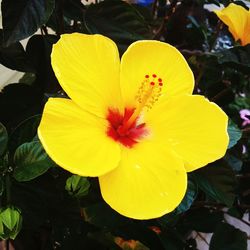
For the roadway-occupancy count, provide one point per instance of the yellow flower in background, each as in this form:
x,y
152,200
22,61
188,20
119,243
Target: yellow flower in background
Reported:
x,y
133,123
237,19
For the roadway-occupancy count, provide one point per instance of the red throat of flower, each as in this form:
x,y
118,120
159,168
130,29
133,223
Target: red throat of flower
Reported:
x,y
125,128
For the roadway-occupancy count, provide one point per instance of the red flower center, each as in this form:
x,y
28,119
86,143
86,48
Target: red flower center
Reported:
x,y
122,131
125,128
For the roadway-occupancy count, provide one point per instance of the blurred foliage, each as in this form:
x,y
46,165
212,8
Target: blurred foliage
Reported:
x,y
43,206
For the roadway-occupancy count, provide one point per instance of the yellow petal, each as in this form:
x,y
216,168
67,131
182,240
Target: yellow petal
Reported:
x,y
149,182
87,67
195,128
76,140
154,57
235,17
246,38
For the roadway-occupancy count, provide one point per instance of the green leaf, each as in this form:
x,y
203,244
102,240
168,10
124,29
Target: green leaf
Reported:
x,y
3,139
38,50
22,101
172,240
104,217
31,161
218,181
22,18
77,186
170,219
227,237
233,162
237,57
24,132
74,10
234,133
10,217
14,56
188,198
101,215
202,220
118,20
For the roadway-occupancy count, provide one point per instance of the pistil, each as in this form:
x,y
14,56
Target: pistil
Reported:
x,y
147,95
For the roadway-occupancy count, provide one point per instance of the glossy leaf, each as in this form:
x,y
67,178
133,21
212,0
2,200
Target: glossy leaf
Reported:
x,y
118,20
24,132
22,18
237,57
102,216
227,237
218,181
22,101
234,162
188,198
202,219
74,10
31,161
234,133
14,56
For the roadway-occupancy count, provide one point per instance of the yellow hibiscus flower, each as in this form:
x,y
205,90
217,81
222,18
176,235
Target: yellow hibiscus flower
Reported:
x,y
237,19
133,123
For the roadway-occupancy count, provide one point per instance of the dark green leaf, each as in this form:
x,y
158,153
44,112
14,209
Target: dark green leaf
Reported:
x,y
77,186
24,132
31,161
14,56
103,216
171,240
22,101
233,162
227,237
218,181
170,219
3,138
117,20
237,57
234,133
188,198
74,9
22,18
202,219
38,50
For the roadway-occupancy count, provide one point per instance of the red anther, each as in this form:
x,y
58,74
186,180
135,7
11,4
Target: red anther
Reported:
x,y
146,76
160,83
152,83
154,75
159,80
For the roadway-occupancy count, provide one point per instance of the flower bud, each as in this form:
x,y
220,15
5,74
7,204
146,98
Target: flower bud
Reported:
x,y
10,222
77,186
